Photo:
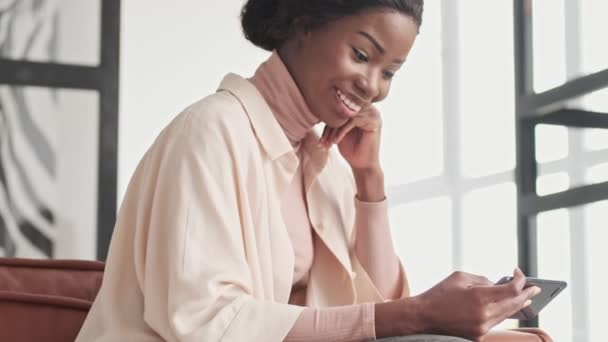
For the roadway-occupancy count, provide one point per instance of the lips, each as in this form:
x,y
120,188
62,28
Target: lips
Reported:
x,y
349,102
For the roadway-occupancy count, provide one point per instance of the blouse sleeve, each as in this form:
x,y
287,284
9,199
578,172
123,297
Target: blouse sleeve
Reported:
x,y
375,250
351,323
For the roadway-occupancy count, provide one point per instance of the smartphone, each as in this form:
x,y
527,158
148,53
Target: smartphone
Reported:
x,y
549,290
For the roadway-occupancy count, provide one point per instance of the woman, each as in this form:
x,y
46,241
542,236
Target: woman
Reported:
x,y
241,224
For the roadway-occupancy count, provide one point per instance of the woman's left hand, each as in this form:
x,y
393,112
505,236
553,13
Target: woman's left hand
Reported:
x,y
358,140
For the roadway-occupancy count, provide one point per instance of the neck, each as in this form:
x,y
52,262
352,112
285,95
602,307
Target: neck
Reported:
x,y
274,81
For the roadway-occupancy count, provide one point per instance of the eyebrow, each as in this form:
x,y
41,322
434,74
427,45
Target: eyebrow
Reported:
x,y
377,45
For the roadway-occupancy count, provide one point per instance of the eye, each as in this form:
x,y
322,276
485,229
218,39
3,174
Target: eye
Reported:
x,y
388,74
360,55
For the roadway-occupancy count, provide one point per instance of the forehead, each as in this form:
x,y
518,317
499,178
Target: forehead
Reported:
x,y
395,31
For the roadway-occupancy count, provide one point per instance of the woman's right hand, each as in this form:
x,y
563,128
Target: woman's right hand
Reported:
x,y
467,305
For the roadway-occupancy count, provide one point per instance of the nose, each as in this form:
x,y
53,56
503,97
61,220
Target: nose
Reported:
x,y
367,86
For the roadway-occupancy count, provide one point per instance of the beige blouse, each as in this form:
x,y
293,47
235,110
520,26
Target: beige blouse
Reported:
x,y
200,251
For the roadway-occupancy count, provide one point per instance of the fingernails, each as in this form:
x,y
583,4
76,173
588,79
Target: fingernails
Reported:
x,y
537,291
527,303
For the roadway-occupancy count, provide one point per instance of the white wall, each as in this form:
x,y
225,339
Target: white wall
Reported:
x,y
172,54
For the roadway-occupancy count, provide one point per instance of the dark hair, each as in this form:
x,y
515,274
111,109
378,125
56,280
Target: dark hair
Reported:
x,y
269,23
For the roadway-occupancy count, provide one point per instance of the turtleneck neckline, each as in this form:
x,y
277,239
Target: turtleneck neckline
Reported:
x,y
277,86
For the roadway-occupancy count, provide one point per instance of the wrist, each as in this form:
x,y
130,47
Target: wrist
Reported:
x,y
370,184
424,319
402,317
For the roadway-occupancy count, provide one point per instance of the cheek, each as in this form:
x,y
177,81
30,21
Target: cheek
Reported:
x,y
384,91
338,64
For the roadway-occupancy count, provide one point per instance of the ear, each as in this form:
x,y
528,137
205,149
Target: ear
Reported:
x,y
302,26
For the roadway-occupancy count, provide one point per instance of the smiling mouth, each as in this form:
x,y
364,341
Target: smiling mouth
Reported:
x,y
350,104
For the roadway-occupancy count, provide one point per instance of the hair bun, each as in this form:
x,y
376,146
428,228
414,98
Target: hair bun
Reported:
x,y
265,23
269,23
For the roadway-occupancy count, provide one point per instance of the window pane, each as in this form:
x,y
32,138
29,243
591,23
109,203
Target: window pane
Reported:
x,y
596,101
598,173
490,232
548,44
596,139
597,216
593,34
551,143
412,133
554,263
487,90
49,157
422,232
553,183
65,31
549,181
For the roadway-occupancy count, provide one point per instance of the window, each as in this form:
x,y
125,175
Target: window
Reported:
x,y
449,154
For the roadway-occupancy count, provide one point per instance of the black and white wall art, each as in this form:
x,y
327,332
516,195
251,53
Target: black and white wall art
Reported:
x,y
50,136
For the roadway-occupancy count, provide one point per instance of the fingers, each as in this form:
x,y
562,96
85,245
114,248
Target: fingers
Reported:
x,y
330,135
496,293
521,301
470,280
370,120
342,131
498,312
325,136
335,135
519,279
477,280
519,298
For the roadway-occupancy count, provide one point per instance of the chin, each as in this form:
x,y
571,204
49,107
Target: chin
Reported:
x,y
330,117
335,121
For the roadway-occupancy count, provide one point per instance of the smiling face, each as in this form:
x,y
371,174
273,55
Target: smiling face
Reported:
x,y
347,64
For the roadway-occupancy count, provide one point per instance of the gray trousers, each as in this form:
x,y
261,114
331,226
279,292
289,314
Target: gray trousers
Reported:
x,y
424,338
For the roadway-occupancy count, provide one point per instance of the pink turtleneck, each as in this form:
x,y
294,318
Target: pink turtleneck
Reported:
x,y
278,88
347,323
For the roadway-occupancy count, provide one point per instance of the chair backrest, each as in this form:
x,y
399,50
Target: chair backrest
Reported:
x,y
46,300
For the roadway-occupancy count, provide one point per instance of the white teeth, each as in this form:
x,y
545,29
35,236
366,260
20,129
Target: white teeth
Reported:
x,y
351,105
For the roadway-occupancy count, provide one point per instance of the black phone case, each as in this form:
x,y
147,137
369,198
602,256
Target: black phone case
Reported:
x,y
550,289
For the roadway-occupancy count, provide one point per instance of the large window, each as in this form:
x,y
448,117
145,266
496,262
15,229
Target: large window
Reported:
x,y
449,152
